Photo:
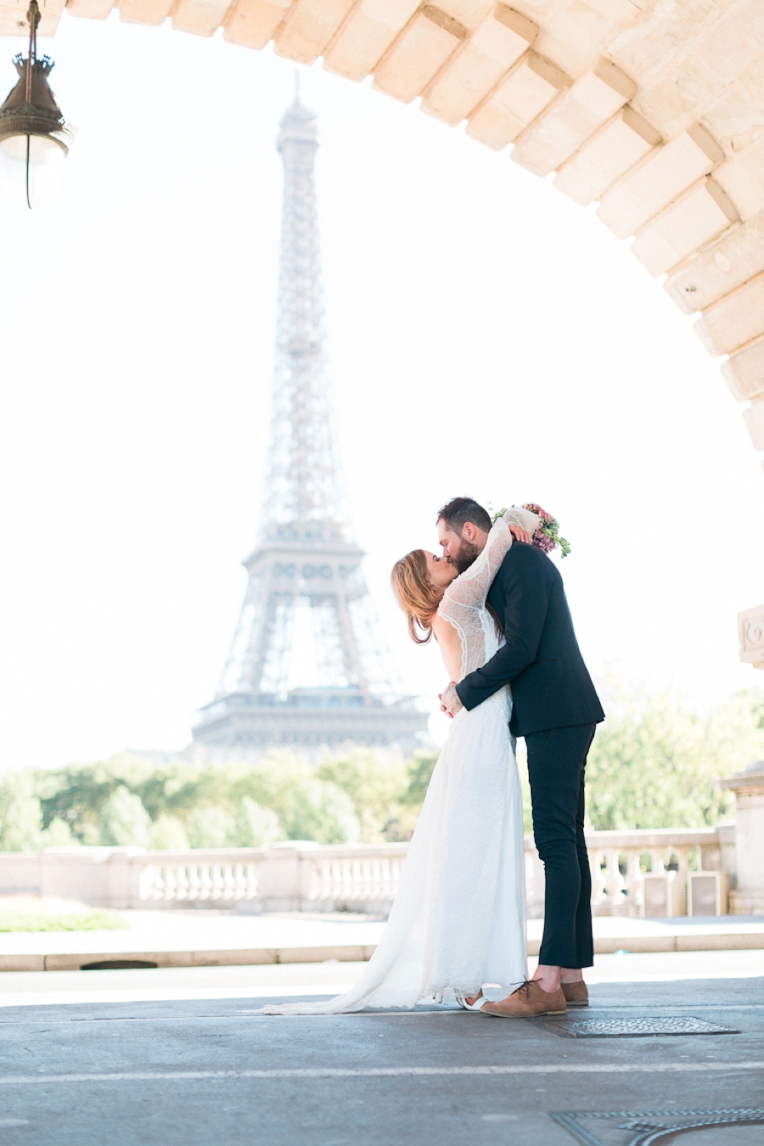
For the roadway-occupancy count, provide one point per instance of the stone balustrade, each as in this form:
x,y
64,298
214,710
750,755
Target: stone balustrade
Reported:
x,y
210,877
647,872
633,873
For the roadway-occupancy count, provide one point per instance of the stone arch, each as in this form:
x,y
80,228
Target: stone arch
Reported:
x,y
652,108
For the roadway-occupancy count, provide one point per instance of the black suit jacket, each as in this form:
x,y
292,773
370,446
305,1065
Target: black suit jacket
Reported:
x,y
541,660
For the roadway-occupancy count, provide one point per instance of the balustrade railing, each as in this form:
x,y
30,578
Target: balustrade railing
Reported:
x,y
633,873
625,866
198,877
354,879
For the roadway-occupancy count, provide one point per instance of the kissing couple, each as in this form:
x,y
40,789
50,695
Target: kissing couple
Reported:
x,y
495,604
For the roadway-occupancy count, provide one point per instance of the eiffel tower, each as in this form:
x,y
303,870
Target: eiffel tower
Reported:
x,y
308,665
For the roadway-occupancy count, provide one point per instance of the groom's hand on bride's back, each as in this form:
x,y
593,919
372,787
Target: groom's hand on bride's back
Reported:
x,y
449,700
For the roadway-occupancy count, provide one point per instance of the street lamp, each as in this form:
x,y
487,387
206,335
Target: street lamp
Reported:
x,y
34,137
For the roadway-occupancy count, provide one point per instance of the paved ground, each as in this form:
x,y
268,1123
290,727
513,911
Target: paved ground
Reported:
x,y
213,1072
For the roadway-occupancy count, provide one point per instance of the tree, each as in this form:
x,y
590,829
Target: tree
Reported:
x,y
322,812
419,771
167,833
256,826
20,814
58,834
124,820
209,827
375,787
655,763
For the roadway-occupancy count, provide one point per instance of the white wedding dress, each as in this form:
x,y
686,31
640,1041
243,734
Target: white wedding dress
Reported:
x,y
458,921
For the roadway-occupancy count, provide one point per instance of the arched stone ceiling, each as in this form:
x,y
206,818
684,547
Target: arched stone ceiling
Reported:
x,y
653,108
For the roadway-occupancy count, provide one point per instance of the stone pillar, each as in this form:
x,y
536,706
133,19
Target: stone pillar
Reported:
x,y
750,625
281,875
748,786
100,877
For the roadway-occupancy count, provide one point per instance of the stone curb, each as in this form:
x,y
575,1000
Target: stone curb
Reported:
x,y
349,953
232,957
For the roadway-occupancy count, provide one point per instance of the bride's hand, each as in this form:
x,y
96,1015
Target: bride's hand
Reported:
x,y
519,533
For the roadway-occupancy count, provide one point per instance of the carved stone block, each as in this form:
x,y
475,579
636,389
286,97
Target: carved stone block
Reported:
x,y
658,181
606,157
367,35
251,23
754,422
697,218
744,373
734,320
527,90
309,27
751,634
419,54
574,118
727,265
494,47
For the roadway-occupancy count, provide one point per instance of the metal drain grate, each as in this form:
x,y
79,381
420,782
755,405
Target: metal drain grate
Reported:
x,y
651,1127
633,1028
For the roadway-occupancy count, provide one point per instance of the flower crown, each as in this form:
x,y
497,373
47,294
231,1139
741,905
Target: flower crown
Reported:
x,y
547,535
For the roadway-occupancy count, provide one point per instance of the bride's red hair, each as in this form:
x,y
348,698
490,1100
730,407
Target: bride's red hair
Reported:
x,y
417,596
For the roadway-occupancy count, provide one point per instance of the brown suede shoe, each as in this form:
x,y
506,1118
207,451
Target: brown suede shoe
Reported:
x,y
576,994
527,1002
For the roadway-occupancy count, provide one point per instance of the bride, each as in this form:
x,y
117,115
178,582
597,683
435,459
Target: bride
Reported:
x,y
458,921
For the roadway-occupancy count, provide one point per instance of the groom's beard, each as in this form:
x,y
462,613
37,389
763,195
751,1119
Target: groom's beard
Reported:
x,y
466,555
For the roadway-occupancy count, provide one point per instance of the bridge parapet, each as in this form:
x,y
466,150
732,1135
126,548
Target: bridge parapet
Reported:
x,y
634,873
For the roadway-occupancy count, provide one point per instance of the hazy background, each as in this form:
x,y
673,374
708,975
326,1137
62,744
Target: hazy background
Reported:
x,y
487,335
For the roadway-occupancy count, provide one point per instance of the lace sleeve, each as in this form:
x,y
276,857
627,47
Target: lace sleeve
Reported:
x,y
463,600
471,588
524,518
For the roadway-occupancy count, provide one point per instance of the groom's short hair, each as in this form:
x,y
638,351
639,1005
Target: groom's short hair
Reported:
x,y
457,512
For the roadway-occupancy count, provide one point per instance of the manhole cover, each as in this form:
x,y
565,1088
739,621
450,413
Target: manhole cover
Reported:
x,y
665,1127
633,1028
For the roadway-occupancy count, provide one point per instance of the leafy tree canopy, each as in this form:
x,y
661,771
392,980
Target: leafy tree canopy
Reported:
x,y
654,764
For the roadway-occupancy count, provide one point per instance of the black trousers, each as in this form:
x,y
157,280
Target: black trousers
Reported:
x,y
556,764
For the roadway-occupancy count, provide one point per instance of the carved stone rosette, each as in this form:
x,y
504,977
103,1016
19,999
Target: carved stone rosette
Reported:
x,y
751,634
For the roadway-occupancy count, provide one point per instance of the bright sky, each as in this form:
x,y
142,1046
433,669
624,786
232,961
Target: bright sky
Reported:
x,y
487,336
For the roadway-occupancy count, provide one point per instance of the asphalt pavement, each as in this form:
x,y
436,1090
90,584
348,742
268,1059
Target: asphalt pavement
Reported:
x,y
215,1072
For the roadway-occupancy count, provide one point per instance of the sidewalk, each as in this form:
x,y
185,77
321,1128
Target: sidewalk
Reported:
x,y
210,938
216,1070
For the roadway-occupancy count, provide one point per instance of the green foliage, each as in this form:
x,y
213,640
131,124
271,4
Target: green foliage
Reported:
x,y
321,811
376,791
168,833
209,827
58,834
20,814
124,819
419,771
654,763
256,826
64,921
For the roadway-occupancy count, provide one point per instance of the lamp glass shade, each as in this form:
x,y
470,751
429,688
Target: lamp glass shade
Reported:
x,y
31,169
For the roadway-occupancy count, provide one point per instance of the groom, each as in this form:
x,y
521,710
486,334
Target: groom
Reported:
x,y
556,709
